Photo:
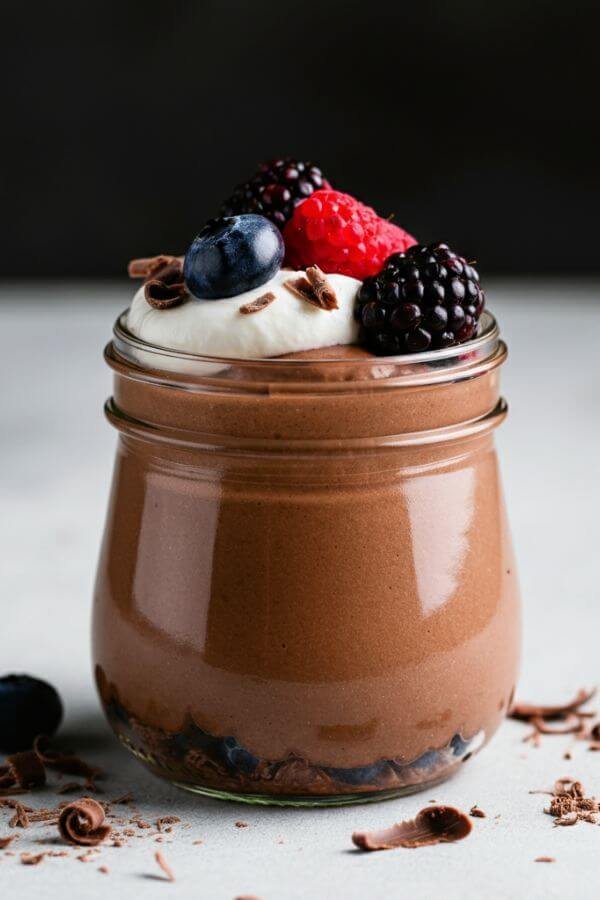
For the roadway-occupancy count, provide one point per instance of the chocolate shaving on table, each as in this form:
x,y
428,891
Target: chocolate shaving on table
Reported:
x,y
302,287
166,820
321,288
527,711
7,841
83,822
164,865
241,824
64,762
477,813
432,825
546,859
124,799
569,805
32,859
260,303
20,818
26,769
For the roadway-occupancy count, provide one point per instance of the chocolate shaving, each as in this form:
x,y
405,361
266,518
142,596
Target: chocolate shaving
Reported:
x,y
569,805
20,818
32,859
321,288
124,799
70,787
167,820
477,813
104,869
260,303
548,859
64,762
155,267
7,841
161,295
432,825
26,770
164,865
303,288
240,824
527,711
83,822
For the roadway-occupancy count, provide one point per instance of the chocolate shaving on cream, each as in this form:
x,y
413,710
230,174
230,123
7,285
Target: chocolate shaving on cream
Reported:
x,y
260,303
161,295
303,288
155,267
321,288
432,825
83,822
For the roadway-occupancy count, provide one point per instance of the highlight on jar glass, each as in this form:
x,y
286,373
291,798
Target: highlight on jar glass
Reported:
x,y
306,592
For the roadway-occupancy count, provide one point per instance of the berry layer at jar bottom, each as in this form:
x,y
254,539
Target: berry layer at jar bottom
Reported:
x,y
195,758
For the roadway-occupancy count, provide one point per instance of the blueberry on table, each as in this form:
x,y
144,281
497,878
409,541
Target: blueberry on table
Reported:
x,y
232,255
28,707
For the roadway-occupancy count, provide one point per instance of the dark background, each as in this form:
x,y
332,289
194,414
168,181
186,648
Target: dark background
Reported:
x,y
126,124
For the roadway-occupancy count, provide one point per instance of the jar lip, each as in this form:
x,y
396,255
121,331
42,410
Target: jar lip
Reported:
x,y
133,348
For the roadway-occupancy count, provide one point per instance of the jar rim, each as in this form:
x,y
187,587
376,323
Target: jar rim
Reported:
x,y
152,362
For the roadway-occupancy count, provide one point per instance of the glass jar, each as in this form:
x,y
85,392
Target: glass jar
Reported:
x,y
306,592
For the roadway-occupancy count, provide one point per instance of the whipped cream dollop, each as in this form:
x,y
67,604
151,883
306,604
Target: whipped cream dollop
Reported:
x,y
289,324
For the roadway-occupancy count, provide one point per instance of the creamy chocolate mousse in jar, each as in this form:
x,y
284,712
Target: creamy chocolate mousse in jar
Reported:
x,y
306,592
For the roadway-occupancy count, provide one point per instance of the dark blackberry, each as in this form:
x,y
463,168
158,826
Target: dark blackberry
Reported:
x,y
274,191
427,298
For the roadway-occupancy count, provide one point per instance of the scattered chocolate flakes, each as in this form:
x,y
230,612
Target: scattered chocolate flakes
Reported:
x,y
32,859
321,288
260,303
432,825
476,812
7,841
83,822
161,295
164,865
547,859
166,820
569,805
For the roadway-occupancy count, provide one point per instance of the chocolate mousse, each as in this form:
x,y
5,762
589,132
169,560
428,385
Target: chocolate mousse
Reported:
x,y
306,591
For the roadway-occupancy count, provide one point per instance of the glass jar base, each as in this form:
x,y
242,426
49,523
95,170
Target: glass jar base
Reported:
x,y
308,801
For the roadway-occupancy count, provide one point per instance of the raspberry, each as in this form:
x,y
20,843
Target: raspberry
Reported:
x,y
424,299
275,190
338,233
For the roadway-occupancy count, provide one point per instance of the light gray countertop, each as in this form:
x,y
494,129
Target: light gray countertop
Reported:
x,y
57,451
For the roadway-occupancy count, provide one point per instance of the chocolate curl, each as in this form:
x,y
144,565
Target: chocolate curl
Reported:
x,y
321,288
83,823
432,825
161,295
260,303
26,769
67,763
155,266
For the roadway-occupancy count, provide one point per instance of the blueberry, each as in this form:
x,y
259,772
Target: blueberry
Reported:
x,y
28,707
236,757
232,255
361,775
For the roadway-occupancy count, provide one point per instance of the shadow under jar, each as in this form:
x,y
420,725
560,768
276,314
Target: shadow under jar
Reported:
x,y
306,592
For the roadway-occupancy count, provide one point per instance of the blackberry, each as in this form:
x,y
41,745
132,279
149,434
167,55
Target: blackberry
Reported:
x,y
274,191
424,299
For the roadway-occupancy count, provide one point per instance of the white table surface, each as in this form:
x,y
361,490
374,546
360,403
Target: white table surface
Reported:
x,y
56,452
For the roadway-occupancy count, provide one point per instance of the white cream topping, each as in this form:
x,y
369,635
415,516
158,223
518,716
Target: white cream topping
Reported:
x,y
218,328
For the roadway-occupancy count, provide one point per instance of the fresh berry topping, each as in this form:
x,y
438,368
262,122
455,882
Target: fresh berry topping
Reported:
x,y
340,234
424,299
232,255
275,190
28,707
